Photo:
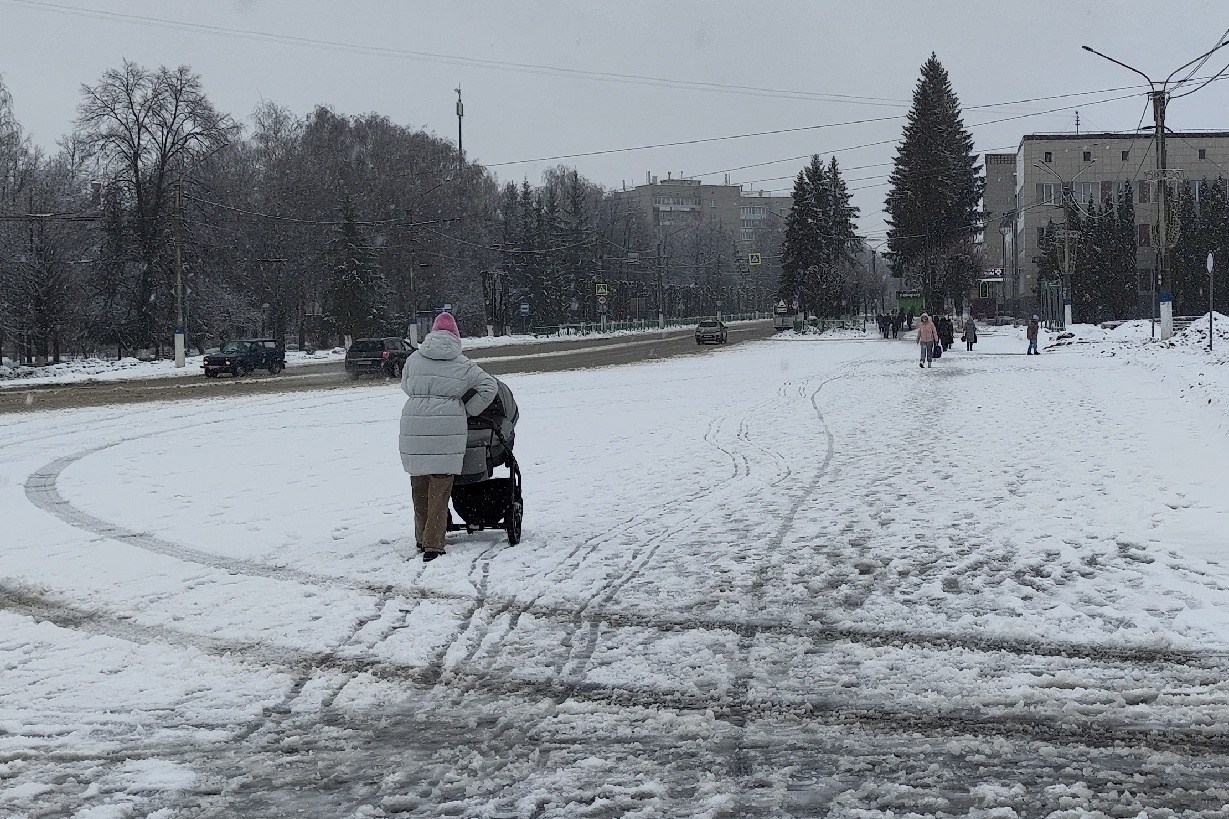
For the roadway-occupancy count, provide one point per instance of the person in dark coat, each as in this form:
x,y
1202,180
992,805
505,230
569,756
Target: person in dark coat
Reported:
x,y
897,321
909,318
943,325
1034,326
444,388
970,333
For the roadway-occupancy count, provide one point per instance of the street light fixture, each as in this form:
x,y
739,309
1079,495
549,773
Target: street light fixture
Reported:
x,y
1159,94
1067,189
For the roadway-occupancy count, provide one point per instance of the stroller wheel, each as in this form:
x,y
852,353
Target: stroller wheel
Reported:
x,y
513,522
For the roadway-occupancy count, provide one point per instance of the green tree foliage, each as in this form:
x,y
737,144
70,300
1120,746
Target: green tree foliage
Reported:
x,y
936,186
821,243
1101,242
1203,228
357,296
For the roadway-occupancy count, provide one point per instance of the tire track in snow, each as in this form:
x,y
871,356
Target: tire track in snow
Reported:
x,y
1068,728
42,492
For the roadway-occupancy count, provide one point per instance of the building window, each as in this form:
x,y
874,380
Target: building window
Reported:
x,y
1048,193
1203,153
1088,156
1145,235
1126,155
1145,192
1049,157
1107,192
1085,192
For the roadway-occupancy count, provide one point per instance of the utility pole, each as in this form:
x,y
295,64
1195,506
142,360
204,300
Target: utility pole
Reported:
x,y
1159,95
1159,99
180,361
460,146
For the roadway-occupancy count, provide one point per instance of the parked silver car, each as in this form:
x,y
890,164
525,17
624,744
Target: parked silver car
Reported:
x,y
711,331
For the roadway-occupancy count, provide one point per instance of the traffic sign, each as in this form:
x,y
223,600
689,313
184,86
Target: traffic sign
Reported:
x,y
602,288
1169,174
753,258
601,299
524,308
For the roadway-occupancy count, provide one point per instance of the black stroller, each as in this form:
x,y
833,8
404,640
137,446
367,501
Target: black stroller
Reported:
x,y
481,500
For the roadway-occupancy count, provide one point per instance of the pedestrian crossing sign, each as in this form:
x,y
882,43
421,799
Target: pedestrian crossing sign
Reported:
x,y
753,258
602,289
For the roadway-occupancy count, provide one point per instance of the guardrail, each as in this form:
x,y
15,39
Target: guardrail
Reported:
x,y
585,328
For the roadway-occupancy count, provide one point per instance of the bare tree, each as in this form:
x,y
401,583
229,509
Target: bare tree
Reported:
x,y
147,131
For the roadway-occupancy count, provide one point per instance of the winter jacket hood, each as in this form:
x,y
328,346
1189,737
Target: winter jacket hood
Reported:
x,y
927,333
440,345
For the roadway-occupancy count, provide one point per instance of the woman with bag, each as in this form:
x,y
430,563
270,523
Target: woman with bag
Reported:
x,y
927,339
970,333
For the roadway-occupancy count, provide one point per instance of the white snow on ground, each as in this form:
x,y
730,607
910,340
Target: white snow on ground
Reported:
x,y
780,579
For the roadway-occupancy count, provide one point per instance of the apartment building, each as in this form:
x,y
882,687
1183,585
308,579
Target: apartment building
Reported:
x,y
676,201
1048,169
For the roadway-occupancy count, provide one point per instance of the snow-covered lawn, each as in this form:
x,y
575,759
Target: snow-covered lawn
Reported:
x,y
783,579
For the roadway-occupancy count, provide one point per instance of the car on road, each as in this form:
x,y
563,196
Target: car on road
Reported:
x,y
243,356
373,356
711,331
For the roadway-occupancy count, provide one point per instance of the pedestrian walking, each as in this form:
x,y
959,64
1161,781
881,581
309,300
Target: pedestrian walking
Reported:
x,y
970,333
909,318
927,338
1034,325
897,320
947,332
444,388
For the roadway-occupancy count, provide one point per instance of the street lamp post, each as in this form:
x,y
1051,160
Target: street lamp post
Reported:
x,y
1159,94
1210,302
1068,201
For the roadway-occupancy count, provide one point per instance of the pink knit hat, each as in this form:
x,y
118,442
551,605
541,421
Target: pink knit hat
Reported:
x,y
445,321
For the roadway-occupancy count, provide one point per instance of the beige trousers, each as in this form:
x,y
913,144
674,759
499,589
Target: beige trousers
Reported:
x,y
431,494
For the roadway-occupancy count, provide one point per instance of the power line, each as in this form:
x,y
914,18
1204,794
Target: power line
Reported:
x,y
792,130
453,59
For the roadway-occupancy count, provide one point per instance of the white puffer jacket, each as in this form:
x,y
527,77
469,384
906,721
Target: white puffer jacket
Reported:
x,y
433,430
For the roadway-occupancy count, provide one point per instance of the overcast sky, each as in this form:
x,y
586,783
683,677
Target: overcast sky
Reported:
x,y
539,79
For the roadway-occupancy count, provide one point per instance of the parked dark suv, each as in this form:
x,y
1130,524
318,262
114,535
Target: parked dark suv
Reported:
x,y
377,355
247,354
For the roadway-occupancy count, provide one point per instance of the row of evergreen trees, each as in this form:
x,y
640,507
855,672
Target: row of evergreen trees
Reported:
x,y
821,245
933,208
1099,246
1202,227
1102,240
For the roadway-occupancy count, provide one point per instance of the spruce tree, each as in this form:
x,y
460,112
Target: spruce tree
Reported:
x,y
797,251
821,240
936,186
358,293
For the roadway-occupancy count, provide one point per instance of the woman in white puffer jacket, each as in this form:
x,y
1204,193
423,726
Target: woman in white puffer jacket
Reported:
x,y
444,388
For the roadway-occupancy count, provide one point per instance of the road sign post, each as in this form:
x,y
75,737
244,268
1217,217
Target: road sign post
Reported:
x,y
1211,309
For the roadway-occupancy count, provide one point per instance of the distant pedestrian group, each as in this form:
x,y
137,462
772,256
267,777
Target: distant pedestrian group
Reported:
x,y
890,324
936,335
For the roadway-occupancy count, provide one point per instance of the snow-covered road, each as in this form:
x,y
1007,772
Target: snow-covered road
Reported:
x,y
795,578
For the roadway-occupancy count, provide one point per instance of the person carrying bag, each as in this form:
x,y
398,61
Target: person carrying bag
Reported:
x,y
928,341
